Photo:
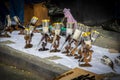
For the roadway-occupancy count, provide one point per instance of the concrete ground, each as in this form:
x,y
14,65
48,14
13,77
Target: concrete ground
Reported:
x,y
108,39
46,70
10,72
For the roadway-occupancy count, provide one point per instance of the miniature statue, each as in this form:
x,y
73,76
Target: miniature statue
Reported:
x,y
67,48
29,33
45,36
86,56
84,51
94,35
69,32
80,50
73,50
19,25
76,39
28,38
56,39
7,28
56,45
107,61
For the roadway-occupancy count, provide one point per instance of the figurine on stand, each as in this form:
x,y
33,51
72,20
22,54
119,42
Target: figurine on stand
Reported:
x,y
94,36
80,50
45,36
19,25
107,61
67,48
69,32
56,39
85,51
28,38
84,29
29,33
7,28
76,39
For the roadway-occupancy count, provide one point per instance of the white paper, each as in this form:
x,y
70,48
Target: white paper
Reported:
x,y
70,62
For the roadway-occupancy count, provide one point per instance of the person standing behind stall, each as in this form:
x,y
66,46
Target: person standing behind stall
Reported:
x,y
17,9
4,11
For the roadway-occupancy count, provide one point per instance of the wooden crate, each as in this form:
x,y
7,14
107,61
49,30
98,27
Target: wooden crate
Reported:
x,y
39,10
28,13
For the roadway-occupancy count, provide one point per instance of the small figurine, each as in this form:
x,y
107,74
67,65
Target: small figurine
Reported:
x,y
19,25
69,33
56,39
29,33
7,28
67,48
81,28
107,61
76,39
84,51
94,35
80,50
86,56
75,49
28,38
45,37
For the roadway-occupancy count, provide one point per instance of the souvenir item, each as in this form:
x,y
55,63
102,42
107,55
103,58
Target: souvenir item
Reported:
x,y
45,36
107,61
56,38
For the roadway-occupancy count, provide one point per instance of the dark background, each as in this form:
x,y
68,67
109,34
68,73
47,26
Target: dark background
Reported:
x,y
91,12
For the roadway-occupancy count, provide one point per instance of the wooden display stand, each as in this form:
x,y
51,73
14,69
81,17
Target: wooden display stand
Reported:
x,y
69,75
39,10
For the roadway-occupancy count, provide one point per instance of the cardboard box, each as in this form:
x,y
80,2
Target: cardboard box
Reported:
x,y
39,10
74,73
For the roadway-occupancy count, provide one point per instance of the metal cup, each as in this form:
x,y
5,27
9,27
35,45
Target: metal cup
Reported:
x,y
27,31
31,28
88,29
16,19
45,25
94,35
33,20
87,38
80,26
57,28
